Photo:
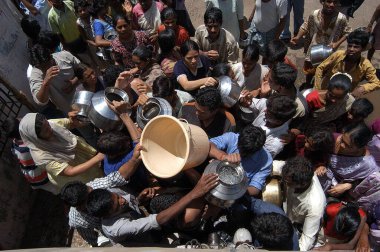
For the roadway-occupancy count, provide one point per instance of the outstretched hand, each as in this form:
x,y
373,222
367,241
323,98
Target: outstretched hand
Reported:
x,y
204,185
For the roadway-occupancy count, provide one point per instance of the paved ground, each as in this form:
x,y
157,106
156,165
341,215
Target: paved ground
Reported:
x,y
362,16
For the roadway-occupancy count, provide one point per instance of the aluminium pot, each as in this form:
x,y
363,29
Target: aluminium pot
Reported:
x,y
153,107
82,103
318,53
233,183
100,114
229,90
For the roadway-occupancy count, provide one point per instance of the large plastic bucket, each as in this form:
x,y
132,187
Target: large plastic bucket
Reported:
x,y
171,145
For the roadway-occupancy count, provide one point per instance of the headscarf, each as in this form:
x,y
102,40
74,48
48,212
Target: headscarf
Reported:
x,y
61,148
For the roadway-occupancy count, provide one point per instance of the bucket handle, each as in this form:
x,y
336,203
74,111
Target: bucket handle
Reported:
x,y
187,124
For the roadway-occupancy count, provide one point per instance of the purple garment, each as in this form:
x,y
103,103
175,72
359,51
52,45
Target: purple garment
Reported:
x,y
374,220
348,169
367,193
374,148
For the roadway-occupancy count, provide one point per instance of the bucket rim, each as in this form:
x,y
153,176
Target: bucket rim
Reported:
x,y
187,137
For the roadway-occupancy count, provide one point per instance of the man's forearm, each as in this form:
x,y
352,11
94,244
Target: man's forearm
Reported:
x,y
171,212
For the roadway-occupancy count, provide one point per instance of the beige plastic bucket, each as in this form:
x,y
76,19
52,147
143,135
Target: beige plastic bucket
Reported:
x,y
171,145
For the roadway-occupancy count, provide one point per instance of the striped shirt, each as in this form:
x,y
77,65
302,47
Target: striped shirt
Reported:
x,y
35,175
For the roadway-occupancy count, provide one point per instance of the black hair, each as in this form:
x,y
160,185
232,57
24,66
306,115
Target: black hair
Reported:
x,y
99,203
111,73
81,4
361,108
273,231
10,127
252,52
282,107
340,81
299,169
347,221
145,53
358,37
40,118
166,41
39,55
30,27
276,51
214,15
118,17
74,193
221,69
97,6
359,133
168,13
188,46
79,70
162,87
49,40
113,142
164,201
284,75
323,139
250,140
209,97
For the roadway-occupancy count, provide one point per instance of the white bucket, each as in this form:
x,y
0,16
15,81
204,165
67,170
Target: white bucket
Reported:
x,y
171,145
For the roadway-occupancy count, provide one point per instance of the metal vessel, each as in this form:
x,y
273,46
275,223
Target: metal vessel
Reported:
x,y
153,107
233,183
100,114
82,103
318,53
229,90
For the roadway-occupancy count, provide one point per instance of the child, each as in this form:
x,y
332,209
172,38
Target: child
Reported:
x,y
375,32
89,79
169,21
276,52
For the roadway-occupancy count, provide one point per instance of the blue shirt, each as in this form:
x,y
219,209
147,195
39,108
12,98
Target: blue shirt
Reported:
x,y
257,166
114,165
100,27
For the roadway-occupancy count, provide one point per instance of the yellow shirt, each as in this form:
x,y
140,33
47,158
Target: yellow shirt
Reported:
x,y
83,153
335,63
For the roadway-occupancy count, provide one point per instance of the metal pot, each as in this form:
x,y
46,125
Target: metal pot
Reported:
x,y
318,53
229,90
233,183
153,107
100,114
82,103
246,115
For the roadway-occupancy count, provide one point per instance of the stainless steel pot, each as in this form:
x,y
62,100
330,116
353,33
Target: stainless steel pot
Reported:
x,y
233,183
153,107
229,90
82,103
318,53
246,115
100,114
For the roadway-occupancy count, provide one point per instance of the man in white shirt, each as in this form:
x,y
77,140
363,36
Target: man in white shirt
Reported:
x,y
306,200
268,20
218,44
273,116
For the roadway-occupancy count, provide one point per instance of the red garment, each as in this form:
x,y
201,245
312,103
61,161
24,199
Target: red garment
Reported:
x,y
317,158
181,35
332,211
313,101
290,63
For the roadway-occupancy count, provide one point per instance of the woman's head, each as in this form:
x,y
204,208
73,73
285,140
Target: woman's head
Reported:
x,y
40,56
122,26
169,18
251,55
166,41
360,110
354,139
338,87
321,140
86,75
163,88
190,53
30,27
42,127
142,56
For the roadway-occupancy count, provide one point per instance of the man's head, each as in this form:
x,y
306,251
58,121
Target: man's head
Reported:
x,y
273,231
114,144
251,55
86,75
49,40
275,52
81,8
30,27
251,139
360,110
329,6
357,41
280,109
207,103
298,173
75,194
145,4
102,203
111,74
213,20
282,77
58,4
338,87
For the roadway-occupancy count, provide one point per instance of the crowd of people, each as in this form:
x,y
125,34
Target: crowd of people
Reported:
x,y
315,136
